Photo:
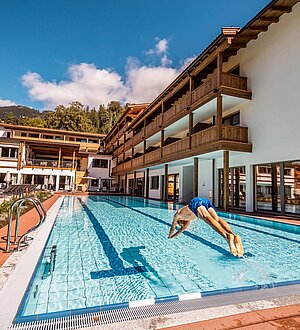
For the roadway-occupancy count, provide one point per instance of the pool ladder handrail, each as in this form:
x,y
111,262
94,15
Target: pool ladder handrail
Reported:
x,y
17,205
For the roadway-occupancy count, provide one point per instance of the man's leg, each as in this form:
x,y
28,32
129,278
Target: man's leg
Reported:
x,y
226,226
229,236
222,222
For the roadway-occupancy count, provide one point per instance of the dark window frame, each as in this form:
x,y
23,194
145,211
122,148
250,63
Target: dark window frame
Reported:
x,y
154,182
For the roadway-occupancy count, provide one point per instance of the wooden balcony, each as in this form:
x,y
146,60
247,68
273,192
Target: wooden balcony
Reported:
x,y
226,137
230,85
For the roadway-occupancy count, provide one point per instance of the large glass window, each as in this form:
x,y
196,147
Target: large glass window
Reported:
x,y
100,163
268,194
9,152
292,187
237,187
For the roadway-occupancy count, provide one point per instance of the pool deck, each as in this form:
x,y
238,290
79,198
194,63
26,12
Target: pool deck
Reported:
x,y
284,317
27,220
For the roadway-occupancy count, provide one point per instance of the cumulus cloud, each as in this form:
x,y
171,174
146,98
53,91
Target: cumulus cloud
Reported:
x,y
86,84
92,86
6,103
161,47
145,83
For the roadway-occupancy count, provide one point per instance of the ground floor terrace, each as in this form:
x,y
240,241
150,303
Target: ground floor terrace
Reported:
x,y
230,179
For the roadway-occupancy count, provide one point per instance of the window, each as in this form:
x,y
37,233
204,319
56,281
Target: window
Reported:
x,y
8,134
71,139
93,141
95,183
154,182
233,120
58,138
5,152
100,163
23,134
9,152
50,137
81,140
33,135
13,152
235,70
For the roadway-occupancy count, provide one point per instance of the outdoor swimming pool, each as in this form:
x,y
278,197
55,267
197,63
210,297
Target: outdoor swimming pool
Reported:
x,y
114,249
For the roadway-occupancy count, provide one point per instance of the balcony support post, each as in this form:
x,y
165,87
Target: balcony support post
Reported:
x,y
191,88
165,192
162,139
73,161
147,183
119,180
226,180
219,115
196,176
219,69
134,183
132,154
125,183
59,157
191,126
144,150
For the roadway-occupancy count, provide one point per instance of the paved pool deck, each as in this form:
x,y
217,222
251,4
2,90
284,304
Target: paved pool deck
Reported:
x,y
27,220
286,317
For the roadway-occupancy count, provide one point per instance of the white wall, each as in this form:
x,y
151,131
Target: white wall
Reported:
x,y
272,66
156,193
187,183
205,178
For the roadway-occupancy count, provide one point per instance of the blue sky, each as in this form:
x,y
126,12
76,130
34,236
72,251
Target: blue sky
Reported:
x,y
56,51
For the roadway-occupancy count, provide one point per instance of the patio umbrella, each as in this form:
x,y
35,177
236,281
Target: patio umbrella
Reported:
x,y
51,180
7,178
46,181
14,179
89,177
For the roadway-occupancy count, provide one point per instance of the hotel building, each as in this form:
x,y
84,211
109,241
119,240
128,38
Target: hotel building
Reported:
x,y
227,127
53,159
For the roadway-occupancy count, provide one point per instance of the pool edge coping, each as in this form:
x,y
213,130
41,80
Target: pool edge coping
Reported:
x,y
13,290
150,302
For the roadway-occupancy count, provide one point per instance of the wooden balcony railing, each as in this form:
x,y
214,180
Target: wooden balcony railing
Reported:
x,y
138,137
138,161
189,99
152,156
48,163
175,147
235,133
154,126
180,149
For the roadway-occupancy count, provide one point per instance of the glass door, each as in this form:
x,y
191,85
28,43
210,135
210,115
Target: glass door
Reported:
x,y
173,187
237,187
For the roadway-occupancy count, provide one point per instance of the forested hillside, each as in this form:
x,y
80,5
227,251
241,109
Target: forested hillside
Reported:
x,y
74,117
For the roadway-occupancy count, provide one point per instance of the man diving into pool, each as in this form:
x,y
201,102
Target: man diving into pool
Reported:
x,y
202,207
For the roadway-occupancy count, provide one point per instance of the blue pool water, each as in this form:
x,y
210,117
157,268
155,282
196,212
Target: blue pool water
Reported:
x,y
115,249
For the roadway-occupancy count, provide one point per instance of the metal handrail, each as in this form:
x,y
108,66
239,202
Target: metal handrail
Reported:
x,y
18,203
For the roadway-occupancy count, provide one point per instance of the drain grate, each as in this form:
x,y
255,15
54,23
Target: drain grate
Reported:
x,y
291,292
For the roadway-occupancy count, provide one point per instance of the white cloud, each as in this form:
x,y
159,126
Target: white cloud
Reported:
x,y
186,62
86,84
146,83
6,103
160,48
93,86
